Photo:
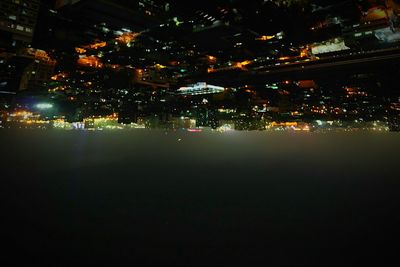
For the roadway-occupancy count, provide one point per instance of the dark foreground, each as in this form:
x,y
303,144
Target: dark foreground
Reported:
x,y
144,198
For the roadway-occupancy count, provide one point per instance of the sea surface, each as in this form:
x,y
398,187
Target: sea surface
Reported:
x,y
156,198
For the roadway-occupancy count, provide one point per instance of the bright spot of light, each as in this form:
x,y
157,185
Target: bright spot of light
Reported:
x,y
44,106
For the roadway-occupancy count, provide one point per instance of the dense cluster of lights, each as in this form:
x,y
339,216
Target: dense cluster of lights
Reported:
x,y
201,89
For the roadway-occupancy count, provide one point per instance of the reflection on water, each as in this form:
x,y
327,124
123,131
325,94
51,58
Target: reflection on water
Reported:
x,y
69,197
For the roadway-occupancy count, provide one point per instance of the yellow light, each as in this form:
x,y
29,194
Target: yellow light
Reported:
x,y
212,58
159,66
91,61
80,50
265,37
96,45
304,53
246,62
127,37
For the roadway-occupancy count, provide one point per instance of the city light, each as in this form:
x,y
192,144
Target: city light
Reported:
x,y
325,67
96,46
44,106
200,133
91,61
128,37
200,89
265,37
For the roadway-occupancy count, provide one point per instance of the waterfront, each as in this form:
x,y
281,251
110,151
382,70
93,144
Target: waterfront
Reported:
x,y
199,133
199,199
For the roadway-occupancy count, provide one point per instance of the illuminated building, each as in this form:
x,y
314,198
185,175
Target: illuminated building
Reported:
x,y
91,61
28,69
200,88
21,68
39,70
125,56
329,47
154,77
18,19
207,118
114,14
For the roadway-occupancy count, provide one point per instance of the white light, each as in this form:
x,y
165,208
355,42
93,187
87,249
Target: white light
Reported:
x,y
201,88
44,106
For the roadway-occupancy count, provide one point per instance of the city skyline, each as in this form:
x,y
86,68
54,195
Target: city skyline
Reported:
x,y
96,59
279,62
199,133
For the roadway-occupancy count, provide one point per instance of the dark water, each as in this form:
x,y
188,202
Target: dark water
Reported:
x,y
210,199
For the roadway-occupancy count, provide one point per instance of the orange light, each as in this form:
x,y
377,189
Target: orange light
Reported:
x,y
212,58
91,61
241,65
210,70
246,62
265,37
59,76
80,50
96,46
376,13
40,55
127,37
304,52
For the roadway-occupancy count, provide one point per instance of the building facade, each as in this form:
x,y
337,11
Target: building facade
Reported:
x,y
18,19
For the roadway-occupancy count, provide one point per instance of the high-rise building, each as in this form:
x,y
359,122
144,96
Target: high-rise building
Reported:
x,y
18,19
29,69
136,14
21,67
